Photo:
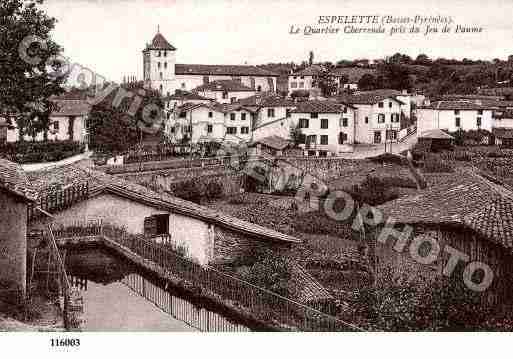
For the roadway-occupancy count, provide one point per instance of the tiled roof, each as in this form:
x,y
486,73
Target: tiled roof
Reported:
x,y
465,199
500,114
274,142
100,182
502,132
456,105
223,85
319,107
312,70
186,96
366,98
159,42
14,180
381,92
354,74
277,102
72,108
228,70
436,134
494,221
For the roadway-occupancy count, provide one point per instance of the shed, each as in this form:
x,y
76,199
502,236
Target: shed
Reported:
x,y
436,139
274,145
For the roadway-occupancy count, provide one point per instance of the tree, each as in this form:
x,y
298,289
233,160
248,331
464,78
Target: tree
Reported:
x,y
30,73
326,82
395,76
367,82
423,59
311,58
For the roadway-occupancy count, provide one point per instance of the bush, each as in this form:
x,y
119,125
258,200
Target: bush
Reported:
x,y
375,191
213,190
36,152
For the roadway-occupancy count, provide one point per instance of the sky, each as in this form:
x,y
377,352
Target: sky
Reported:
x,y
108,36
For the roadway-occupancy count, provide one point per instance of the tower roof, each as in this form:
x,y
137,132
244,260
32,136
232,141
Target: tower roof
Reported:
x,y
159,42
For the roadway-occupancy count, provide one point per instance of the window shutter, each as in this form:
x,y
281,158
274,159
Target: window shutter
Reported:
x,y
150,226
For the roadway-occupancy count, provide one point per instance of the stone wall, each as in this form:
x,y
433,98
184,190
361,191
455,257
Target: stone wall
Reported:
x,y
13,243
233,247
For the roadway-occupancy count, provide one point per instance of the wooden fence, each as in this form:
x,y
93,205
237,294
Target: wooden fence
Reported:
x,y
261,303
59,200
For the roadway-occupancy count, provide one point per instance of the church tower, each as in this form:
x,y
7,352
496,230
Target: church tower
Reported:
x,y
159,58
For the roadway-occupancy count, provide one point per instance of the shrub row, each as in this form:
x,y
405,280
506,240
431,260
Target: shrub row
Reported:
x,y
35,152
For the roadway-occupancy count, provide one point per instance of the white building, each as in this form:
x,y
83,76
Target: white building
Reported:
x,y
454,115
274,118
345,78
210,123
378,117
161,72
224,91
67,122
326,127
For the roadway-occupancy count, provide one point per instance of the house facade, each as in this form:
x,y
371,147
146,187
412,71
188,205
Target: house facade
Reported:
x,y
15,196
326,127
67,122
378,117
273,118
209,236
466,213
162,73
455,115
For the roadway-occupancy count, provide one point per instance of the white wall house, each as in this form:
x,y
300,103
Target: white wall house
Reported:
x,y
273,118
210,122
378,117
326,127
67,122
161,72
454,115
224,91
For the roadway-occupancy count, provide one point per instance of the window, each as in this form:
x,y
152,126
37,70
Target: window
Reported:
x,y
345,109
390,104
479,112
314,115
301,85
478,122
287,112
183,85
342,137
206,79
302,77
231,130
210,114
225,95
187,129
232,117
366,119
324,139
295,77
161,88
243,116
165,53
233,99
209,128
343,122
56,125
293,85
182,114
380,104
158,65
259,88
381,118
161,76
156,225
159,53
391,135
394,117
458,122
270,112
311,139
165,65
168,115
324,123
302,138
303,123
244,130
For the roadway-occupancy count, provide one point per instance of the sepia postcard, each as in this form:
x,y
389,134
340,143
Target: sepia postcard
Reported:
x,y
186,166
